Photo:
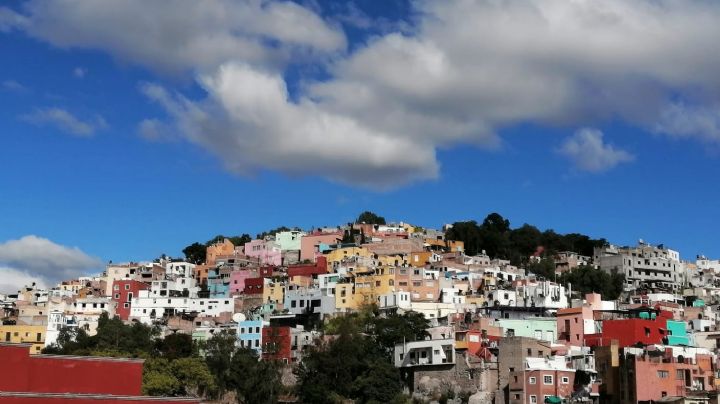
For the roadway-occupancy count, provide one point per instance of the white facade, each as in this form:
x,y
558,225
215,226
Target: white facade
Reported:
x,y
181,269
147,308
643,266
425,353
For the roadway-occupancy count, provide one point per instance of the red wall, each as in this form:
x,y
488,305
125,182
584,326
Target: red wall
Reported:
x,y
135,288
320,267
280,336
20,372
254,286
628,332
72,399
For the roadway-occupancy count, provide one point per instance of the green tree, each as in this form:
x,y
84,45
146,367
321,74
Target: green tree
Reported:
x,y
253,381
177,345
544,269
396,328
194,377
158,380
467,232
370,218
379,383
357,364
219,352
587,279
195,253
274,231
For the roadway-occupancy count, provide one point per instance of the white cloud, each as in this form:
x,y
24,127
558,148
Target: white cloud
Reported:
x,y
14,86
10,20
587,150
36,259
79,72
462,73
13,280
682,121
65,121
249,122
154,130
184,34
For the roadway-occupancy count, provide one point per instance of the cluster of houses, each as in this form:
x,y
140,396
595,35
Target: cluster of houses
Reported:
x,y
497,331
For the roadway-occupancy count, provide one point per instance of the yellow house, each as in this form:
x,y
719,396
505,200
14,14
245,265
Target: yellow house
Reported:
x,y
448,245
274,293
29,334
335,257
392,260
420,258
345,297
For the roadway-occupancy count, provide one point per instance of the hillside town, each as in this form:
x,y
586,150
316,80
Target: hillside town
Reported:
x,y
448,317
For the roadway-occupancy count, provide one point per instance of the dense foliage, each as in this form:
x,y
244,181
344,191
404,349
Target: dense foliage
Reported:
x,y
357,363
370,218
499,240
174,365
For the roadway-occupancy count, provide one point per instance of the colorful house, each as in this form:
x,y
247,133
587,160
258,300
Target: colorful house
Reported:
x,y
124,291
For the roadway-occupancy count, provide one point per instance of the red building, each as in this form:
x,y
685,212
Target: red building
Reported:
x,y
631,331
532,386
276,343
123,293
650,376
319,267
72,379
254,286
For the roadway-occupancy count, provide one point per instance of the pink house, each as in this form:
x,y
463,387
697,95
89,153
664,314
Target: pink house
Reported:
x,y
237,280
268,252
576,322
310,242
573,324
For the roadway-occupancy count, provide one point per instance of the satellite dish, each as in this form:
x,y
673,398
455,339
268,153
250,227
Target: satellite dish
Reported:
x,y
238,317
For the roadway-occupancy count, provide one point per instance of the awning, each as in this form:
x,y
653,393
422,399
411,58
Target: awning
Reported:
x,y
553,400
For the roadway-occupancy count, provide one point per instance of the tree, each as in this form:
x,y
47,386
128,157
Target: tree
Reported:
x,y
357,364
236,240
194,377
396,328
544,269
219,352
253,381
175,346
587,279
158,380
240,240
370,218
467,232
195,253
274,232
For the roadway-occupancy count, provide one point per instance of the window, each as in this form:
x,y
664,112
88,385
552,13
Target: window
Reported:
x,y
533,399
242,330
663,374
565,380
126,305
532,380
116,287
127,286
547,379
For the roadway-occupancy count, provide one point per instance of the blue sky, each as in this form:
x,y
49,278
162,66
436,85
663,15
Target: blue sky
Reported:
x,y
408,109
